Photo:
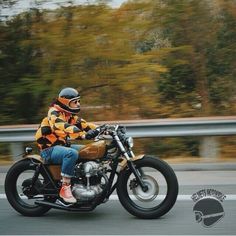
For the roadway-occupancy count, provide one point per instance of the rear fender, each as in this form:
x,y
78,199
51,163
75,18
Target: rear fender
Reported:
x,y
55,170
34,157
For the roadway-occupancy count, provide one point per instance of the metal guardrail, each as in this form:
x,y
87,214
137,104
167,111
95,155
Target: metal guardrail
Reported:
x,y
204,126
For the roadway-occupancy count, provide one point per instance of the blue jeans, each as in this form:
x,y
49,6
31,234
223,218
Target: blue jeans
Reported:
x,y
64,156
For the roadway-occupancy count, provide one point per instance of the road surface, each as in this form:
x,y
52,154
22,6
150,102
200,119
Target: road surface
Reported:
x,y
112,219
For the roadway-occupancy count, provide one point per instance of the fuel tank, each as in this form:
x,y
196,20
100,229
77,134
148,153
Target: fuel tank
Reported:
x,y
93,151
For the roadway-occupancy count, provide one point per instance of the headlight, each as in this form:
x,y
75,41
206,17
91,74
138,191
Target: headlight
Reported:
x,y
130,142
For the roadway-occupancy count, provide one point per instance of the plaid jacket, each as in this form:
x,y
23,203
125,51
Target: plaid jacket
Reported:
x,y
58,126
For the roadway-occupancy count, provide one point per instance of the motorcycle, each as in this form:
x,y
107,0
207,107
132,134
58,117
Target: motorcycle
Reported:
x,y
146,186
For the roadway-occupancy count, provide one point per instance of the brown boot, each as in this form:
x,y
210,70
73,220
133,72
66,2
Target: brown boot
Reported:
x,y
66,194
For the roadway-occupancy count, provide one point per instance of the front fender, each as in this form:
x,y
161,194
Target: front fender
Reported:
x,y
123,163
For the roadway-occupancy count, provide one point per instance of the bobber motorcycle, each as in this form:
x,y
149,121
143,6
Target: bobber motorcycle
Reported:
x,y
107,168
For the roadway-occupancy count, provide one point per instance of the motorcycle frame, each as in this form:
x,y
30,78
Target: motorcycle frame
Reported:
x,y
54,189
110,187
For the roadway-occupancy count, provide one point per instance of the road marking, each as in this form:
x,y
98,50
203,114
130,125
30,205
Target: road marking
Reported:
x,y
231,197
179,198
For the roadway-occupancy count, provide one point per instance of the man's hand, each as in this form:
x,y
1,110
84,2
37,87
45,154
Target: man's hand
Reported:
x,y
92,133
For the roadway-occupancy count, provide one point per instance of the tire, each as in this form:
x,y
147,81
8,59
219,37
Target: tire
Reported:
x,y
159,209
12,194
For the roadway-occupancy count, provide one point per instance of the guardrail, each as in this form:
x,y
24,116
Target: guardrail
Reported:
x,y
203,126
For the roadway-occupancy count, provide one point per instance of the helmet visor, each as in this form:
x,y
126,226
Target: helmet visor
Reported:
x,y
73,101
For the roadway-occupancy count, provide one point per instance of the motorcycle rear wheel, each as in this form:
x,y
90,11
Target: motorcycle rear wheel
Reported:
x,y
159,177
14,184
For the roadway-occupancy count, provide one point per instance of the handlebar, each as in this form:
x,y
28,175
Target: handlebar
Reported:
x,y
107,129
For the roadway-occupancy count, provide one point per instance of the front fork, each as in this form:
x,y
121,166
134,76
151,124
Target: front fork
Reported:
x,y
138,174
131,165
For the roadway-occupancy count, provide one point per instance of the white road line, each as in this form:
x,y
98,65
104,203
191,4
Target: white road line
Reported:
x,y
231,197
179,198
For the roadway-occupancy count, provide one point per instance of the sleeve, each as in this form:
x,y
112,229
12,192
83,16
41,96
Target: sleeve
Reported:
x,y
83,125
63,128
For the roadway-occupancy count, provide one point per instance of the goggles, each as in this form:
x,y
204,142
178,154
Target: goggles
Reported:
x,y
76,101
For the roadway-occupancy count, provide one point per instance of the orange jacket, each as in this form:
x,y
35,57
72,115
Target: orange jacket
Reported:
x,y
58,126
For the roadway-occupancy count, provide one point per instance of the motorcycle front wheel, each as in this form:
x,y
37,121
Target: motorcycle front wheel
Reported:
x,y
162,190
19,190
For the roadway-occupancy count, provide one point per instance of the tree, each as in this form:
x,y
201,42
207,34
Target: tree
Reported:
x,y
187,24
221,60
18,71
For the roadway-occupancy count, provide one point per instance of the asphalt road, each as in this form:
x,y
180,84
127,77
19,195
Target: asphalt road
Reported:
x,y
112,219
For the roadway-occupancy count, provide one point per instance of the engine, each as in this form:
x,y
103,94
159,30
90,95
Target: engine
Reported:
x,y
90,184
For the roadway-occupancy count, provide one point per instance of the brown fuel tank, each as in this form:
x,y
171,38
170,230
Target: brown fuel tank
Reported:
x,y
93,151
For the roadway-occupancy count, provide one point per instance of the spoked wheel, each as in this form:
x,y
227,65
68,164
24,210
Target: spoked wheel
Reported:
x,y
20,192
161,192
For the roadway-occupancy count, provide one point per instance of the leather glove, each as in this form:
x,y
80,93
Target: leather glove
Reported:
x,y
92,133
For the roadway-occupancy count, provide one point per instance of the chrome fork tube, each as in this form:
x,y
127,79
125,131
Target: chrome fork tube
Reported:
x,y
131,164
121,146
132,154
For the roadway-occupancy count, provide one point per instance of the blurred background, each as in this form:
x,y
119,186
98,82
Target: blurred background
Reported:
x,y
130,60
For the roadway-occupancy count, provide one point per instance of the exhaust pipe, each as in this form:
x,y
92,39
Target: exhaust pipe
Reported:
x,y
62,206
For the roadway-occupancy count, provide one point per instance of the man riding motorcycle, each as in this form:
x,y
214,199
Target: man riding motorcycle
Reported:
x,y
146,186
54,131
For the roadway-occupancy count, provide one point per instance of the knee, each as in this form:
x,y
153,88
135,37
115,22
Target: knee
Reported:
x,y
73,155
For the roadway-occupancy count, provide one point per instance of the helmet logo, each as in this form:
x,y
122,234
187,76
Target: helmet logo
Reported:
x,y
208,209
